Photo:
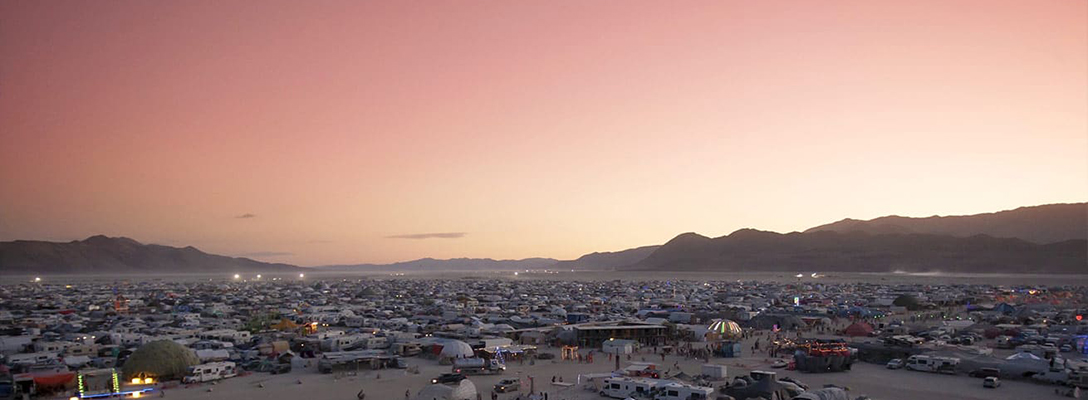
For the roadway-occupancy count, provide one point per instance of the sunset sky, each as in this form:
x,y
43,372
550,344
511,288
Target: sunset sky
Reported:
x,y
324,132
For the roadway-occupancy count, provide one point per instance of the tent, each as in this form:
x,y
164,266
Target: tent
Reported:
x,y
1005,308
859,329
832,393
161,359
465,390
456,349
767,388
1023,357
723,329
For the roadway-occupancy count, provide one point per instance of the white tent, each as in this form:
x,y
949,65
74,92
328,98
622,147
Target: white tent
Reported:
x,y
466,390
456,349
1023,357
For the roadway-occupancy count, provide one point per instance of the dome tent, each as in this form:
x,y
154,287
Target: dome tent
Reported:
x,y
465,390
161,359
456,349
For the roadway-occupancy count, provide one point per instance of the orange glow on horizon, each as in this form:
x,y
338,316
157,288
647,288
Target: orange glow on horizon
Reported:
x,y
350,132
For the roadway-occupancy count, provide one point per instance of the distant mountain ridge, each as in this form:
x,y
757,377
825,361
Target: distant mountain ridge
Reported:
x,y
858,251
1052,239
1038,224
607,260
455,264
101,254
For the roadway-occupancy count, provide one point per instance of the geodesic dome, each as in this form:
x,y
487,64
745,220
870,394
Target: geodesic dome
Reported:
x,y
161,359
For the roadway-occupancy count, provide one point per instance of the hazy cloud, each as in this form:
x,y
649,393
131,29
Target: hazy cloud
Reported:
x,y
319,241
267,254
439,235
246,216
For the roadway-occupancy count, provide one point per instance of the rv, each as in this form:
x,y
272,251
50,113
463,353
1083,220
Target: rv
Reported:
x,y
343,343
932,364
680,391
478,366
358,359
407,349
31,358
622,388
210,372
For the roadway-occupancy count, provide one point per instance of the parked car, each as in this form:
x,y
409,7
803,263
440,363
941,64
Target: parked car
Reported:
x,y
449,378
545,356
508,385
895,363
991,382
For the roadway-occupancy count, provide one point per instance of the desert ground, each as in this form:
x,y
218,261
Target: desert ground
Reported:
x,y
864,379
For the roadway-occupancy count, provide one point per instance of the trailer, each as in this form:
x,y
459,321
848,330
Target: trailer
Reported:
x,y
680,391
211,372
932,364
622,388
407,349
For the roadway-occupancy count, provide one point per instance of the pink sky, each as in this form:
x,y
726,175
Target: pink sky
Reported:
x,y
537,128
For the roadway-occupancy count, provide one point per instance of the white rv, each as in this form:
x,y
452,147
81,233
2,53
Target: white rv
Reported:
x,y
31,358
211,372
680,391
932,364
622,388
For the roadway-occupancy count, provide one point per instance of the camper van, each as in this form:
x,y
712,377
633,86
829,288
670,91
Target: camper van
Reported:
x,y
680,391
932,364
622,388
210,372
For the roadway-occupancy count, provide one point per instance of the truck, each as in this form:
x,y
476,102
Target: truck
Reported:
x,y
478,366
210,372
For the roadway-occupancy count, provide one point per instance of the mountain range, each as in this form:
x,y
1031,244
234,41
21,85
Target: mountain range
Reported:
x,y
1039,239
454,264
101,254
1037,224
